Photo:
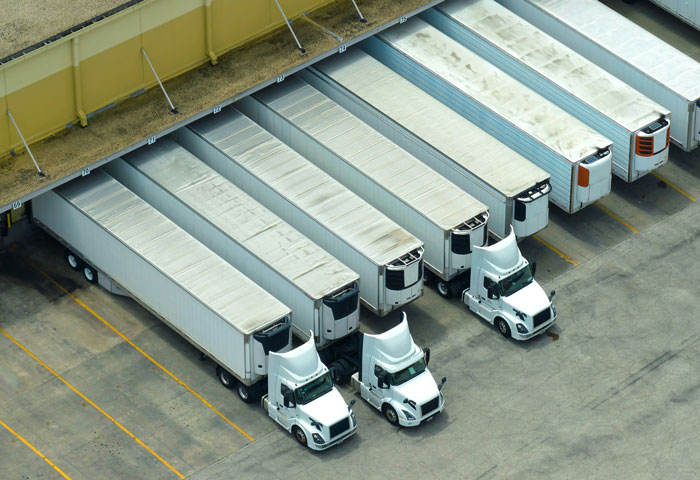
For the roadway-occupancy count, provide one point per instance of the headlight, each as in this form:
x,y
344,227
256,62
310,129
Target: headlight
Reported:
x,y
318,439
521,328
408,415
352,416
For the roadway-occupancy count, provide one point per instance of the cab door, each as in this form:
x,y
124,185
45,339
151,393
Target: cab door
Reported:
x,y
285,413
370,388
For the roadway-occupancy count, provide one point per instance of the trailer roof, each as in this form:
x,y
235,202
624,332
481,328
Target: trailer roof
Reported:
x,y
628,41
175,253
382,161
262,233
499,92
556,62
306,186
494,163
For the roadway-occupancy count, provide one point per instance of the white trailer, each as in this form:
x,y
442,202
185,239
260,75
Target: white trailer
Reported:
x,y
638,126
578,158
635,56
388,259
515,190
115,237
449,221
123,243
322,292
686,10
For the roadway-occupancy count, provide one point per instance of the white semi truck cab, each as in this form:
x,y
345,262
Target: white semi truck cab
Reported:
x,y
302,398
393,377
504,292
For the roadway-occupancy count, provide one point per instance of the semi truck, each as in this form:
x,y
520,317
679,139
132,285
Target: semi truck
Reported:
x,y
322,292
449,221
302,398
686,10
388,259
119,241
502,290
635,56
578,158
393,377
638,126
515,190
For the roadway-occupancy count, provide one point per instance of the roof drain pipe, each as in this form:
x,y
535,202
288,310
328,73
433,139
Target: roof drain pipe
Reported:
x,y
172,107
9,114
303,50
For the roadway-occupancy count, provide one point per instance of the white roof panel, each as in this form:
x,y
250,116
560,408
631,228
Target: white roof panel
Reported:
x,y
556,62
432,121
466,71
175,253
630,42
306,186
372,154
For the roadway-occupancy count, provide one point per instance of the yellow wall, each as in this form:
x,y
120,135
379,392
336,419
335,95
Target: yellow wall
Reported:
x,y
39,87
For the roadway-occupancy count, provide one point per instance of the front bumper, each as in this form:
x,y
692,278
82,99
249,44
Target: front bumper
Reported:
x,y
335,441
540,330
425,418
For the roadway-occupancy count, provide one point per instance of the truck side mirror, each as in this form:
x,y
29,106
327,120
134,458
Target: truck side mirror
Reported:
x,y
383,380
492,291
289,399
426,353
533,267
551,295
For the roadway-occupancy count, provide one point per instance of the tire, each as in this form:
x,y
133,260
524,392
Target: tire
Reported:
x,y
334,369
244,393
390,414
74,261
444,289
90,274
225,378
299,435
503,327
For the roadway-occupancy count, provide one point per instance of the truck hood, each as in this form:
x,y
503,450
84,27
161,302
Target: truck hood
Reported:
x,y
420,389
327,409
530,300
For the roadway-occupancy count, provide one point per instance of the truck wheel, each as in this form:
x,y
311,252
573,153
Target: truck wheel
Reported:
x,y
90,274
299,435
225,378
390,414
503,327
73,260
244,393
443,289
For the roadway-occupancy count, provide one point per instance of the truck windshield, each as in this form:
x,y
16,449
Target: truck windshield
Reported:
x,y
403,376
314,389
516,281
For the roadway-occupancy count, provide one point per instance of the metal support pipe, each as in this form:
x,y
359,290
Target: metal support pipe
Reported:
x,y
208,33
77,86
172,107
362,19
9,114
303,50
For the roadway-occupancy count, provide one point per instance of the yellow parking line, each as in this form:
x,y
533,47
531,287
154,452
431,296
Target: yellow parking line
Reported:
x,y
549,246
616,217
138,349
673,186
35,450
95,406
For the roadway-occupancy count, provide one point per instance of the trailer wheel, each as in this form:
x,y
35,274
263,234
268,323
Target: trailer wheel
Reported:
x,y
503,327
443,289
73,260
90,274
299,435
390,414
225,378
244,393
